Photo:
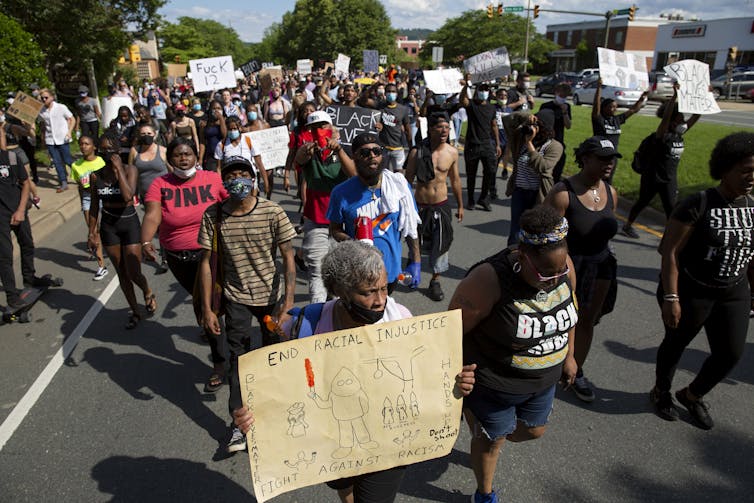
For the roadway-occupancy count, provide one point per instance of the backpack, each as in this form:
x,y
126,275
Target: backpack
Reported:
x,y
648,149
305,320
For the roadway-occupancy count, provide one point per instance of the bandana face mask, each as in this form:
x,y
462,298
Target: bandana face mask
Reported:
x,y
239,188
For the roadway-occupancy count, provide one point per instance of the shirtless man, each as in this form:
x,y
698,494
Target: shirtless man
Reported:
x,y
432,163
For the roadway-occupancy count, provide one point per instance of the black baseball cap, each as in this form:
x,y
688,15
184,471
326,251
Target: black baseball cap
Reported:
x,y
237,162
598,145
363,139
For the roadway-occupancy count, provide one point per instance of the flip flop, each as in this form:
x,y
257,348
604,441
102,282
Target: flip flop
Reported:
x,y
214,383
150,303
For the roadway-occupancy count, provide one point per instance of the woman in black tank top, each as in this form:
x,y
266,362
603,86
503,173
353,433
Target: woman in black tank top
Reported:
x,y
589,202
113,188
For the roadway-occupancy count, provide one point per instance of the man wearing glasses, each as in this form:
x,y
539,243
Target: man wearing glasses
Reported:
x,y
57,127
385,199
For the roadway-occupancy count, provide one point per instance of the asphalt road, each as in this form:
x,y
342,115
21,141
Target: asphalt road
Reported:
x,y
125,419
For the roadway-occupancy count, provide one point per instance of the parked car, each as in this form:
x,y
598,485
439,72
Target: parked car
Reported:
x,y
750,95
623,97
660,86
546,85
740,84
586,75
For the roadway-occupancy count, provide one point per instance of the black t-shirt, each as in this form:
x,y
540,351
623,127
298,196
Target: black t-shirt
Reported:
x,y
393,121
609,127
521,345
12,175
514,95
410,106
479,127
559,118
669,156
721,245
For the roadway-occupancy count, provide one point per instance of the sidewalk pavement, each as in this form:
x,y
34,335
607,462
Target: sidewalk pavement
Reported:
x,y
55,209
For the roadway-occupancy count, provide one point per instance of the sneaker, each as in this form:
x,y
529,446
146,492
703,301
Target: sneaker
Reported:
x,y
16,303
485,204
698,409
237,441
504,174
583,389
35,201
435,291
470,205
162,268
101,273
664,404
629,231
37,282
478,497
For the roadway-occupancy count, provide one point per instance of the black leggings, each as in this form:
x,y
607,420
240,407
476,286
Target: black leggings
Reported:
x,y
724,314
120,226
472,156
648,188
375,487
185,272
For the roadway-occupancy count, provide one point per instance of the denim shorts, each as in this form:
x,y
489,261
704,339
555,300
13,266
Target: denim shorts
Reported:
x,y
86,200
497,413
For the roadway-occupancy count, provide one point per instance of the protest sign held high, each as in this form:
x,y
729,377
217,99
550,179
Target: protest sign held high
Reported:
x,y
272,145
447,81
694,96
211,74
25,108
250,67
304,66
341,65
355,401
488,65
352,121
622,69
371,61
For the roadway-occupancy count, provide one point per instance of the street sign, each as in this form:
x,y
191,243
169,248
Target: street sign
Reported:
x,y
622,11
437,53
515,8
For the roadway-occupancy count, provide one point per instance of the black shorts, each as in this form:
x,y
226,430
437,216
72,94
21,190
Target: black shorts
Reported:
x,y
120,226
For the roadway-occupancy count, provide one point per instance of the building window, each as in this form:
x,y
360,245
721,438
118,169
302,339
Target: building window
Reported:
x,y
413,50
569,38
618,38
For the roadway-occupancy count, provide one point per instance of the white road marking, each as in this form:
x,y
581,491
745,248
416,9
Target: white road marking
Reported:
x,y
19,412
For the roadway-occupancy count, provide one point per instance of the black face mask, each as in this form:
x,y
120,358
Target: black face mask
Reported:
x,y
146,139
360,313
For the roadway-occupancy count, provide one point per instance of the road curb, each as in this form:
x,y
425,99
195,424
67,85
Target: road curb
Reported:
x,y
54,220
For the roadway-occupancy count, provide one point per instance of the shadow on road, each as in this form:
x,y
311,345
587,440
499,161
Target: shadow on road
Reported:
x,y
417,482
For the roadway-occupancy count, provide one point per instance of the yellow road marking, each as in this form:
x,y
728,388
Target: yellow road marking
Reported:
x,y
640,226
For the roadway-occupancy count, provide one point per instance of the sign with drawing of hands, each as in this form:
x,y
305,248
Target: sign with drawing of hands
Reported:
x,y
623,69
351,402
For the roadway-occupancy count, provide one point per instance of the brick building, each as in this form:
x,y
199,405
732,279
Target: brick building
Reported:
x,y
411,47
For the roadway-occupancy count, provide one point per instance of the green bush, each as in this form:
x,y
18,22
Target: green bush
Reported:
x,y
22,62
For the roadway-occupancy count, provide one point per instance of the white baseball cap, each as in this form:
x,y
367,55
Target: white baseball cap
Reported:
x,y
319,116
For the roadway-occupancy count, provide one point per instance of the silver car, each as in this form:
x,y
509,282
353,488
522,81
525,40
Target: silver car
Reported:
x,y
660,86
739,85
623,97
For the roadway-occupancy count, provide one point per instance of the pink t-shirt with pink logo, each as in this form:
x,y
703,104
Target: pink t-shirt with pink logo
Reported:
x,y
183,203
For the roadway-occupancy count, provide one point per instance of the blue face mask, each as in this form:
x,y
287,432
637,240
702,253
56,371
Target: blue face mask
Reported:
x,y
239,188
439,99
391,97
197,107
234,134
483,95
252,116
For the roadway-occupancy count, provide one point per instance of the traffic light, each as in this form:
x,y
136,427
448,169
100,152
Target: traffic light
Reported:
x,y
490,12
500,9
631,12
536,11
732,53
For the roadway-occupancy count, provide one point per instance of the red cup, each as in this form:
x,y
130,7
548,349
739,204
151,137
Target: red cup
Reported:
x,y
364,229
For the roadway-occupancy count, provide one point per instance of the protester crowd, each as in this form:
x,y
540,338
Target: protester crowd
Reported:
x,y
178,164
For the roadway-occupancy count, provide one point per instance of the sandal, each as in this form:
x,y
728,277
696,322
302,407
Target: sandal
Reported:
x,y
150,303
133,320
214,383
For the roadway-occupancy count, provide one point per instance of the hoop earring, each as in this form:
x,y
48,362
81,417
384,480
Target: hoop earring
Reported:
x,y
516,267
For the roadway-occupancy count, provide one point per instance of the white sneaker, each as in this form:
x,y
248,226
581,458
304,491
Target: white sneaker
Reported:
x,y
237,441
101,273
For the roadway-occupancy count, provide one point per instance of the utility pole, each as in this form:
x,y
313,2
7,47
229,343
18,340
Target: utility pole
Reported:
x,y
526,41
608,15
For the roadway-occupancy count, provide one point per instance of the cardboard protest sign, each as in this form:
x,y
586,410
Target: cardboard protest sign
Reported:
x,y
250,67
269,75
445,81
351,402
329,67
488,65
341,66
272,145
423,125
352,121
304,66
621,69
110,106
176,69
211,74
371,61
694,96
25,108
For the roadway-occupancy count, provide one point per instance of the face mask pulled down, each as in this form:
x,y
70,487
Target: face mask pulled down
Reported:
x,y
239,188
361,313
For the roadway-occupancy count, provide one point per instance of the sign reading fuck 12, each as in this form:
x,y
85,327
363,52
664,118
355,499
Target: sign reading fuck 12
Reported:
x,y
211,74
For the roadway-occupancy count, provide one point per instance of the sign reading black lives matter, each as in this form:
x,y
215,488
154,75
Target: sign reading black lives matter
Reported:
x,y
352,121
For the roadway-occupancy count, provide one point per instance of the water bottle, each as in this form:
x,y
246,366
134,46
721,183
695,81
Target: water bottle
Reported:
x,y
273,326
405,278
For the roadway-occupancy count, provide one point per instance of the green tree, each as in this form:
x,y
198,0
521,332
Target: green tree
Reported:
x,y
193,38
320,29
22,62
473,32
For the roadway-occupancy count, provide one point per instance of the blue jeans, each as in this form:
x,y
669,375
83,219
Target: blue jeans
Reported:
x,y
457,122
521,200
61,155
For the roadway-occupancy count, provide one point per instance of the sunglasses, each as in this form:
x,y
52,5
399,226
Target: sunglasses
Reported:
x,y
544,279
44,98
366,153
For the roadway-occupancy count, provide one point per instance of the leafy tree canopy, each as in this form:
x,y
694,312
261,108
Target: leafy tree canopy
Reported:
x,y
22,62
192,38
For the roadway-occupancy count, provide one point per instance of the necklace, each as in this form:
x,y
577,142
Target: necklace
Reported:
x,y
596,193
541,296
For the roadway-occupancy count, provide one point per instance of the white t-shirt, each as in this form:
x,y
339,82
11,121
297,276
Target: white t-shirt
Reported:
x,y
55,119
242,149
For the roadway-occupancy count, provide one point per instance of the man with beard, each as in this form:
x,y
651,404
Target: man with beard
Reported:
x,y
519,97
432,163
385,199
247,234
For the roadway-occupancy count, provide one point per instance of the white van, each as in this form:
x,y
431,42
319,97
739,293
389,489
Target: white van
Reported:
x,y
586,75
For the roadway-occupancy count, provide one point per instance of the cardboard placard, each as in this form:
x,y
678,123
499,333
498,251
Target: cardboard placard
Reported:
x,y
272,145
355,401
211,74
694,96
446,81
267,77
488,65
304,67
176,70
621,69
352,121
371,61
25,108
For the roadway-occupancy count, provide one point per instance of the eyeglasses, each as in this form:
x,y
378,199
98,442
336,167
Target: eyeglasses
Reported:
x,y
545,279
44,98
366,153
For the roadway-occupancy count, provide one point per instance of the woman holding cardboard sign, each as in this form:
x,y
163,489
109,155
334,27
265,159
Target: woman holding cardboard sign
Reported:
x,y
354,272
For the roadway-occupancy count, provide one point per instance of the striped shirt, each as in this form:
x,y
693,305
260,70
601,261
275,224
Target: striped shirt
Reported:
x,y
249,247
526,177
